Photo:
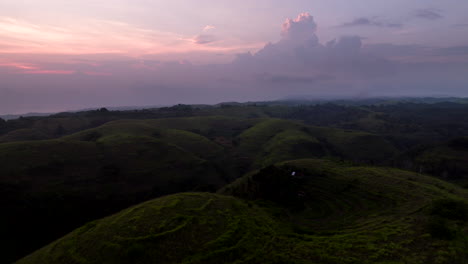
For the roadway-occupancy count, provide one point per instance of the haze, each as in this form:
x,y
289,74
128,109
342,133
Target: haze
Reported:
x,y
60,55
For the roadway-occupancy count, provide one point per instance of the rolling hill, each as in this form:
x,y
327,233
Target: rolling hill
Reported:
x,y
62,171
325,213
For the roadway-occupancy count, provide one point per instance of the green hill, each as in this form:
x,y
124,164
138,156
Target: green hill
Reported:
x,y
274,140
96,172
325,213
181,228
76,167
446,160
123,162
345,214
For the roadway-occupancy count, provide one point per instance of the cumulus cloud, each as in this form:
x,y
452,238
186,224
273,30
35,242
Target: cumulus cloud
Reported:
x,y
299,57
345,46
364,21
428,13
300,30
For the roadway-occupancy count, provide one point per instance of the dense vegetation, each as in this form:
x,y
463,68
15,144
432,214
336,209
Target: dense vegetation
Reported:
x,y
59,172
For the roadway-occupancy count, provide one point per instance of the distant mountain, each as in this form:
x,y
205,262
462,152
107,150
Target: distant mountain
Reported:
x,y
306,100
9,117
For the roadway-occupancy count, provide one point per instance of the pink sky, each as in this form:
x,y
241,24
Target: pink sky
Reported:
x,y
58,55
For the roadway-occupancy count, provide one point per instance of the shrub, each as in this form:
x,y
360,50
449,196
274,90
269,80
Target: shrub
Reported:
x,y
440,228
450,209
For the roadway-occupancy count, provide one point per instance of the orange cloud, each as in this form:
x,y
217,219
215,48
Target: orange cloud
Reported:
x,y
93,36
30,68
91,73
17,65
61,72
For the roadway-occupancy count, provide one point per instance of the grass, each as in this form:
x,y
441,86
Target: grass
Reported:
x,y
182,228
129,161
365,214
349,214
274,140
447,160
117,164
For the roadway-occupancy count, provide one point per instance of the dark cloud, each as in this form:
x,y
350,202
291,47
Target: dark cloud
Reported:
x,y
364,21
428,13
457,50
345,46
293,78
391,50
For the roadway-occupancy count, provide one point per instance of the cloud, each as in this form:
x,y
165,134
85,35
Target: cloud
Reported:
x,y
293,78
208,28
301,29
460,26
204,39
389,50
428,13
300,52
456,50
91,36
345,45
49,72
297,64
364,21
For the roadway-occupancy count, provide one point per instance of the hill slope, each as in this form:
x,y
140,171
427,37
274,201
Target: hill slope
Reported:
x,y
345,214
325,213
181,228
446,160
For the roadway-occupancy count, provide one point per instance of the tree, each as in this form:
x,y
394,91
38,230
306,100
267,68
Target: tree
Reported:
x,y
3,124
59,131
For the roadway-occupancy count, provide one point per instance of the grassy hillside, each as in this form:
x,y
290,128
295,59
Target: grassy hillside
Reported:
x,y
344,214
446,160
98,172
70,168
35,128
326,213
274,140
182,228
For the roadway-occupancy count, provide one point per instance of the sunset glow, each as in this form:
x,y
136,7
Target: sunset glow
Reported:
x,y
230,51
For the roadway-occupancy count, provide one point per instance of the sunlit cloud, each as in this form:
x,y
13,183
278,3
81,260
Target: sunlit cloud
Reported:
x,y
98,37
17,65
91,73
49,72
208,28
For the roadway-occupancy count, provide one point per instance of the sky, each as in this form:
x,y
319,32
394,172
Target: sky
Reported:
x,y
60,55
